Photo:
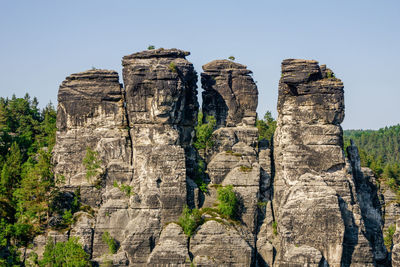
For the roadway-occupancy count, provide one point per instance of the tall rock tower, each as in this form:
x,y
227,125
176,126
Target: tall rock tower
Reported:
x,y
316,207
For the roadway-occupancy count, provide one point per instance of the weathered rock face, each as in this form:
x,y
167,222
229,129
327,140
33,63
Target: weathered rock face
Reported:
x,y
142,135
317,212
301,202
91,115
396,246
231,97
230,94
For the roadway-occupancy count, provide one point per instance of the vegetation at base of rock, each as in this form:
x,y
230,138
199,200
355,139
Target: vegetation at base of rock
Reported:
x,y
69,253
380,151
110,241
92,163
27,137
266,127
388,236
275,227
228,201
127,189
151,47
204,130
190,220
172,67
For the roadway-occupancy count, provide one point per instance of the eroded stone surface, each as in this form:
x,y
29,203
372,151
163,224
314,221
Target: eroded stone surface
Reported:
x,y
230,94
216,244
301,202
315,198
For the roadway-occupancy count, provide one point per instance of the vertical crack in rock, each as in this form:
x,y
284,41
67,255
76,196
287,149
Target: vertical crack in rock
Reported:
x,y
311,174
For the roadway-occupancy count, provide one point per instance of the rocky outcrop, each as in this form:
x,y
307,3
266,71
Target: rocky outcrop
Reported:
x,y
172,248
301,202
90,115
141,135
369,199
161,108
217,244
230,94
396,246
317,209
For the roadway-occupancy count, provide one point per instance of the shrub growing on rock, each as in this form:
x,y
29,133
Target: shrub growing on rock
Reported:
x,y
388,236
228,202
110,241
204,132
190,220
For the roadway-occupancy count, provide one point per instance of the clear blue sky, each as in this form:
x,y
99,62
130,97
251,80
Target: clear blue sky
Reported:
x,y
42,42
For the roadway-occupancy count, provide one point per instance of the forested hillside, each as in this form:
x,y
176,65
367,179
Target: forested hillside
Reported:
x,y
384,143
380,151
27,136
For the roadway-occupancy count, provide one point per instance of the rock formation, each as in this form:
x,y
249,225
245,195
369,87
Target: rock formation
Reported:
x,y
301,202
161,104
230,94
316,205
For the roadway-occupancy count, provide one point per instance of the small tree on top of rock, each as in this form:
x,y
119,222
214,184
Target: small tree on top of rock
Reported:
x,y
151,47
231,58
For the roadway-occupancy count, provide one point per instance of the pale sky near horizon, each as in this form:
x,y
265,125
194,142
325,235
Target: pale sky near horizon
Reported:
x,y
42,42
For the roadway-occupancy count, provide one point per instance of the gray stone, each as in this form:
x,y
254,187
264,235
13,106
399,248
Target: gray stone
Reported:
x,y
230,94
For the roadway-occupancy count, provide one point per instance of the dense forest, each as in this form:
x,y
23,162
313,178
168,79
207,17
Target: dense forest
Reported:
x,y
380,151
27,183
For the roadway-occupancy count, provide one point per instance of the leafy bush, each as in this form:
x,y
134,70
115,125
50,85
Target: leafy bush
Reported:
x,y
69,253
190,220
199,176
127,189
110,241
172,67
151,47
388,237
275,227
67,218
330,74
204,132
228,202
92,163
231,58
